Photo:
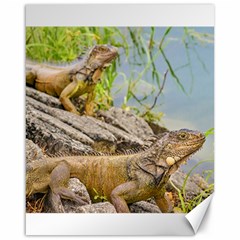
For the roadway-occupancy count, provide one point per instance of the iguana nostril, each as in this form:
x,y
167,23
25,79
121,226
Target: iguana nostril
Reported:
x,y
201,135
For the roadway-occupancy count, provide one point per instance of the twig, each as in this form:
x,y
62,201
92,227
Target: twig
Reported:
x,y
156,98
138,100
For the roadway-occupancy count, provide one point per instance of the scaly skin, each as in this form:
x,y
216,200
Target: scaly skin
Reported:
x,y
122,179
75,80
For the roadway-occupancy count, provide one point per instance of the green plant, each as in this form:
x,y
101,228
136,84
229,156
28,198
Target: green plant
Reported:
x,y
186,205
97,196
209,132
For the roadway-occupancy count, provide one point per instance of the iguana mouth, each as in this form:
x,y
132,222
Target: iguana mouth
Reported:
x,y
196,145
198,141
185,159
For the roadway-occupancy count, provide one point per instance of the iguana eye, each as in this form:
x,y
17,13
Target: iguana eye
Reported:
x,y
102,49
94,65
182,135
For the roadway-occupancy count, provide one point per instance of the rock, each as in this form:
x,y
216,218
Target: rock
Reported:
x,y
75,185
103,207
65,128
78,188
126,121
43,97
200,181
51,138
53,204
118,133
32,152
81,123
157,129
67,205
194,186
59,131
144,207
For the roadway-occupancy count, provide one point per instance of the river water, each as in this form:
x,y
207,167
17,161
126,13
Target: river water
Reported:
x,y
193,110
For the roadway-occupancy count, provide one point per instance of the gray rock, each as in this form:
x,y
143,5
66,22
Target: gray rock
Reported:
x,y
103,207
194,186
75,185
61,132
118,133
78,188
32,152
200,181
58,124
51,138
43,97
67,206
80,123
127,121
144,207
157,129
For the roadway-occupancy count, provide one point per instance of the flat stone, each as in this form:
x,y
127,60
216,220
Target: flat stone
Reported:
x,y
51,138
127,121
144,207
103,207
43,97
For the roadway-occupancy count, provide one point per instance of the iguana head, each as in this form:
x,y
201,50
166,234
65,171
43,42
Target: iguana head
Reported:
x,y
101,56
180,145
170,151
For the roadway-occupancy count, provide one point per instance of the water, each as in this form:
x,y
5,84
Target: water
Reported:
x,y
194,110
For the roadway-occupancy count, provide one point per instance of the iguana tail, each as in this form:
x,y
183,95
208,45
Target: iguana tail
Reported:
x,y
30,74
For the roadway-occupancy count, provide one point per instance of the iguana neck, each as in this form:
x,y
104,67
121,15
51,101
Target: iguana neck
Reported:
x,y
165,156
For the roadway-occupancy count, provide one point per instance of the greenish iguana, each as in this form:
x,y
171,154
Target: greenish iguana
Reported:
x,y
122,179
73,80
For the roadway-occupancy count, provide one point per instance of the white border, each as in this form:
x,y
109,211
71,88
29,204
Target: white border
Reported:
x,y
120,15
107,224
117,224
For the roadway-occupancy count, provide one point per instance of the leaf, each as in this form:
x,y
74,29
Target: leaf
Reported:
x,y
168,62
172,72
209,132
164,36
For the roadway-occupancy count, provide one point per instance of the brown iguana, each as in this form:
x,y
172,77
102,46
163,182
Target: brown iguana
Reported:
x,y
73,80
122,179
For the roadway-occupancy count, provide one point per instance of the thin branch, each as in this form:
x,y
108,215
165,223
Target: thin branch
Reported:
x,y
137,99
157,96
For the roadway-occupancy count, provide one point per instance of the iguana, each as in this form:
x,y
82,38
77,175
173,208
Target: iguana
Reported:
x,y
73,80
122,179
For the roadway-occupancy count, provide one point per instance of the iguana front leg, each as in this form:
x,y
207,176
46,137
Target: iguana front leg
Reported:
x,y
59,178
89,105
126,192
66,94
